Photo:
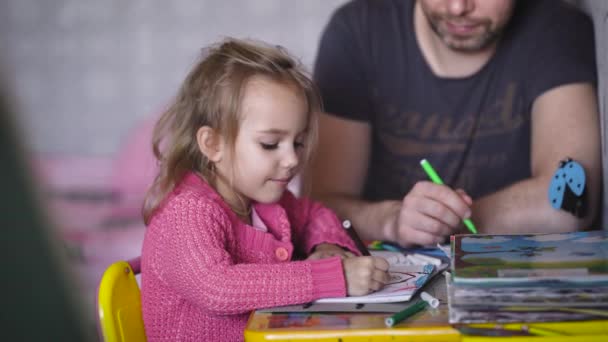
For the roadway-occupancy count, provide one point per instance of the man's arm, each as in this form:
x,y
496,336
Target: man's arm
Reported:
x,y
565,123
338,174
426,214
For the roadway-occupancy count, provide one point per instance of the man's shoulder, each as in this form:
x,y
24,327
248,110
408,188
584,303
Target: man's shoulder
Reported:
x,y
373,8
371,20
552,38
547,16
556,9
546,27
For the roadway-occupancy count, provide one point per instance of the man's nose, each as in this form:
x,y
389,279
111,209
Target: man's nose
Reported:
x,y
458,8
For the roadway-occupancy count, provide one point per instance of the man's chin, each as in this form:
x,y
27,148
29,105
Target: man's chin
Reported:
x,y
472,44
467,45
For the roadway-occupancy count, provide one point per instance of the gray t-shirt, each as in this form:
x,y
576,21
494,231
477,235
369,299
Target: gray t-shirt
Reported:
x,y
475,130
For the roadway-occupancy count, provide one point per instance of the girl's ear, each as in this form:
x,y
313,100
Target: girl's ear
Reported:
x,y
210,143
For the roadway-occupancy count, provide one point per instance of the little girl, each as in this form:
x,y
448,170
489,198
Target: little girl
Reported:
x,y
224,236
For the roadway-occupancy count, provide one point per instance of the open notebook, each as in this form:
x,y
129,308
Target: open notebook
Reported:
x,y
406,279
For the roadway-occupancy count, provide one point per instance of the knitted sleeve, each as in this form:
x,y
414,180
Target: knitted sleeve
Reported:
x,y
192,258
315,224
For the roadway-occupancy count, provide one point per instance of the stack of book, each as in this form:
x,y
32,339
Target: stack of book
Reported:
x,y
528,278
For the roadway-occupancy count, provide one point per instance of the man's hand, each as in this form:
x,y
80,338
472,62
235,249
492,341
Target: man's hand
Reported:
x,y
427,214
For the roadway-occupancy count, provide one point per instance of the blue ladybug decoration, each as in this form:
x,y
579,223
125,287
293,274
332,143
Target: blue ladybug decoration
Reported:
x,y
567,190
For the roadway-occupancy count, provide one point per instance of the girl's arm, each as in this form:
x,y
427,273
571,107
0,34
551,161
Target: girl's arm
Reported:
x,y
189,254
314,224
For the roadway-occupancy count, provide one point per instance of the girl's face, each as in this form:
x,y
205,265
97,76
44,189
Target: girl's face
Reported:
x,y
269,145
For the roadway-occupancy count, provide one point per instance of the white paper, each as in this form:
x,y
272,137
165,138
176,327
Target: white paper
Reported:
x,y
406,279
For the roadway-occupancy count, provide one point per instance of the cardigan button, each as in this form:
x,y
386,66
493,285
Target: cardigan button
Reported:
x,y
281,253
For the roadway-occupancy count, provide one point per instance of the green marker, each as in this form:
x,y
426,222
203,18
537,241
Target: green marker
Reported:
x,y
437,180
408,312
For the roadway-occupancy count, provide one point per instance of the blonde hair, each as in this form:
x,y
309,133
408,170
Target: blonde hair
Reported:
x,y
211,96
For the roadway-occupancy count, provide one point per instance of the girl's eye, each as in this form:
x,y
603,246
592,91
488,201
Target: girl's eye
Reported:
x,y
298,144
269,146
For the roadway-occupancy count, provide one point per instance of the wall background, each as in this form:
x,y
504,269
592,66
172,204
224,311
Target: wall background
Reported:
x,y
85,72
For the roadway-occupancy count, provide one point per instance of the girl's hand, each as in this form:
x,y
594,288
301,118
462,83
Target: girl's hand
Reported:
x,y
365,274
328,250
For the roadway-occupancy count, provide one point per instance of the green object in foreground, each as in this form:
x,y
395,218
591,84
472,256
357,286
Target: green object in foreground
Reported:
x,y
470,226
430,171
400,316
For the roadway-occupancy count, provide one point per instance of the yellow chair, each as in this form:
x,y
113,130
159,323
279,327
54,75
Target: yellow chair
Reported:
x,y
119,303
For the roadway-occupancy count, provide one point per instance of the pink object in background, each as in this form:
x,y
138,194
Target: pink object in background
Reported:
x,y
95,203
135,168
69,183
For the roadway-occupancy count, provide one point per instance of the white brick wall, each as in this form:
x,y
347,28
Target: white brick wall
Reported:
x,y
86,71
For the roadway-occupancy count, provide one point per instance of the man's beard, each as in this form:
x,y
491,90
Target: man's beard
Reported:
x,y
465,44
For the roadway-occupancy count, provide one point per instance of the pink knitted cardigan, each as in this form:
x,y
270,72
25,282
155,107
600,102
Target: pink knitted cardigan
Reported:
x,y
204,270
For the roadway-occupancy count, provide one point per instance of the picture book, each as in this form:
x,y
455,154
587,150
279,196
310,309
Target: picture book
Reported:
x,y
405,279
521,314
552,260
532,296
491,309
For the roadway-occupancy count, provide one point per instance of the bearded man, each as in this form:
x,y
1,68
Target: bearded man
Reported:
x,y
494,93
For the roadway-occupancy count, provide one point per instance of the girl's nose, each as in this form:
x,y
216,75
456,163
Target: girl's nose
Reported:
x,y
290,159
